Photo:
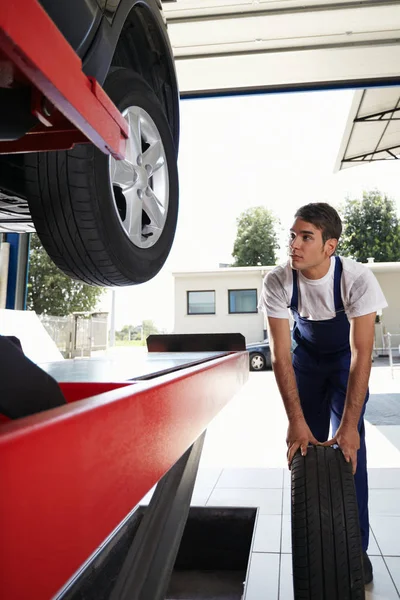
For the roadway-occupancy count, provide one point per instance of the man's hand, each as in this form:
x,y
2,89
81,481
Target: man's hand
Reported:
x,y
348,440
298,436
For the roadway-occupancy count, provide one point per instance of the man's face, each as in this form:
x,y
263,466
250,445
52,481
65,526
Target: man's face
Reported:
x,y
306,247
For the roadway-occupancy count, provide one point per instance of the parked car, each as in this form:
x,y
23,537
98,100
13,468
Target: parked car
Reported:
x,y
259,355
102,221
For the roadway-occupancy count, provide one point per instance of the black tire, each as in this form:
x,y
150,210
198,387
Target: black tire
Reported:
x,y
326,543
257,361
72,204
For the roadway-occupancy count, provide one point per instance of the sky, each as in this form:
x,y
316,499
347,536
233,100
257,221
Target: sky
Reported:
x,y
276,150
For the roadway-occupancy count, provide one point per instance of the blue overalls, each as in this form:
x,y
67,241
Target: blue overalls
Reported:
x,y
321,363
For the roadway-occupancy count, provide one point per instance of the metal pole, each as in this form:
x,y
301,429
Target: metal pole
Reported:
x,y
4,262
112,324
21,288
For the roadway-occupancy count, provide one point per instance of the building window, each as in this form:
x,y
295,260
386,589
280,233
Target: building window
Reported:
x,y
201,302
242,301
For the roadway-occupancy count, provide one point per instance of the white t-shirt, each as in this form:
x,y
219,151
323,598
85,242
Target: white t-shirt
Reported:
x,y
361,292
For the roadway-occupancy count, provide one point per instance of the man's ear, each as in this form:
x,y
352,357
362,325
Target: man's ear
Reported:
x,y
330,246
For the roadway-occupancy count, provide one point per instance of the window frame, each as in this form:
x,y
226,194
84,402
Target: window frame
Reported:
x,y
199,313
246,312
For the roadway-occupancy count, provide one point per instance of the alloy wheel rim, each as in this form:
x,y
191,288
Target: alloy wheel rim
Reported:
x,y
140,182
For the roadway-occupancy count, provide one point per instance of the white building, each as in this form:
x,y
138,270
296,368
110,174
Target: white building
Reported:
x,y
225,300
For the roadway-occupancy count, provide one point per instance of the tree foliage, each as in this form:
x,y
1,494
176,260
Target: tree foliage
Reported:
x,y
371,228
256,239
136,332
53,293
129,333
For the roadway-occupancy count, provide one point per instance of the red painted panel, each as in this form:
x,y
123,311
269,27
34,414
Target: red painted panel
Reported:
x,y
70,475
79,391
37,49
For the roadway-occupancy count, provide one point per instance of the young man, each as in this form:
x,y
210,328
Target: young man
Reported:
x,y
325,377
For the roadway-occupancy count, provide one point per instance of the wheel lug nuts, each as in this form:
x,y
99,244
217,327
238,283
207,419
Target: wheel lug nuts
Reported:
x,y
140,194
140,160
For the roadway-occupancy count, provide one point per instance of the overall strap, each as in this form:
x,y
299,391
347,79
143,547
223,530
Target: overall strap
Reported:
x,y
295,293
336,285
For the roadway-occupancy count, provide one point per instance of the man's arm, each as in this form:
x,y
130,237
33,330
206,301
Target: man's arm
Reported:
x,y
299,434
361,343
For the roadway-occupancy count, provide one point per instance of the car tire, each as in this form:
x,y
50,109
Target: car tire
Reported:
x,y
257,362
326,543
81,215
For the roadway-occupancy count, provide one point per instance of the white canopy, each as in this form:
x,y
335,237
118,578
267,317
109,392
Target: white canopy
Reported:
x,y
227,46
373,128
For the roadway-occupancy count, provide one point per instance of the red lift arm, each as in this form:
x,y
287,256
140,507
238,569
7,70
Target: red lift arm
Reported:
x,y
70,475
71,107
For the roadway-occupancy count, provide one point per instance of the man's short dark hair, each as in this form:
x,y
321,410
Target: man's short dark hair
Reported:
x,y
323,217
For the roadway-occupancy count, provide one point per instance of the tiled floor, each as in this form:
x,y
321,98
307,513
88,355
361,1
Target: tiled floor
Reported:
x,y
244,464
270,567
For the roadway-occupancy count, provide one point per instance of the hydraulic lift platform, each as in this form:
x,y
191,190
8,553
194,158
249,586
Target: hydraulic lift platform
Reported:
x,y
71,475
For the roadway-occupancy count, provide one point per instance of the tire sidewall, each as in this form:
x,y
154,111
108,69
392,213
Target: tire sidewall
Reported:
x,y
148,260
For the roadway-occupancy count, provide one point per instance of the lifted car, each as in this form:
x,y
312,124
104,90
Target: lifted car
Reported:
x,y
102,221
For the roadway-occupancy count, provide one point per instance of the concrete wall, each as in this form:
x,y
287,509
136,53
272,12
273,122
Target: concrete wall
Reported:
x,y
250,325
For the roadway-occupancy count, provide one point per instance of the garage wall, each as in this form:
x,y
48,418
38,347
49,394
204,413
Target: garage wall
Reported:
x,y
250,325
390,284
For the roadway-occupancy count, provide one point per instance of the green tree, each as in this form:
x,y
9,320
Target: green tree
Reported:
x,y
256,239
53,293
148,328
129,332
371,228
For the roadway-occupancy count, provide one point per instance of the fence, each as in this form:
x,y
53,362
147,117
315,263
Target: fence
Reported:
x,y
78,334
394,351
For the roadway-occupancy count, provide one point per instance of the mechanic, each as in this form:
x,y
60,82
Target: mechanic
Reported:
x,y
322,369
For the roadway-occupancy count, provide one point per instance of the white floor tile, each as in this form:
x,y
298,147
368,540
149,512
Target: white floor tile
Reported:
x,y
382,453
251,478
207,477
286,544
391,433
384,502
286,578
287,478
268,534
384,478
393,564
387,533
268,501
287,494
200,496
382,587
373,549
263,577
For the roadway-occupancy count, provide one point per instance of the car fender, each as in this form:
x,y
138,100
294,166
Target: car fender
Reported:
x,y
97,61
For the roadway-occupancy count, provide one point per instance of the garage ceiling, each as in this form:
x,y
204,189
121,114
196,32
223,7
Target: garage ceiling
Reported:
x,y
233,46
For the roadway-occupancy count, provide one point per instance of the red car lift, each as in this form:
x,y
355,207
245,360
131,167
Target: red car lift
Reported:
x,y
71,107
69,476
